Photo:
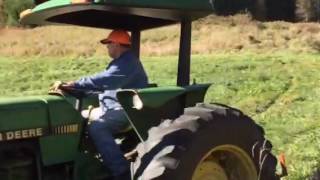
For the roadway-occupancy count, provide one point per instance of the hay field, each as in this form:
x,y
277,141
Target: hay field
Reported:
x,y
210,35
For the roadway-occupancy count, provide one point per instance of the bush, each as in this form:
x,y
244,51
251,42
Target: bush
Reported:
x,y
12,9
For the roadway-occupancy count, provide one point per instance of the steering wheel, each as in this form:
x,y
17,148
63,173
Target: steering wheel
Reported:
x,y
77,93
61,89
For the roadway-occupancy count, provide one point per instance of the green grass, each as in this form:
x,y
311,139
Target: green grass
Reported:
x,y
280,91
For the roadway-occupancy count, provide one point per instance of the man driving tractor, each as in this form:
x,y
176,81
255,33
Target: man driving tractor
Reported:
x,y
125,71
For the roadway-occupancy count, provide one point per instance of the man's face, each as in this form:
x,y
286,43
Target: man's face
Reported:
x,y
113,49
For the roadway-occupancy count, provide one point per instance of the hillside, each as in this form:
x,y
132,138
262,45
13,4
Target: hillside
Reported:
x,y
210,35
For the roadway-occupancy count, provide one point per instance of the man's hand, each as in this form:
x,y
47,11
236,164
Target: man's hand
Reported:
x,y
68,85
56,85
59,85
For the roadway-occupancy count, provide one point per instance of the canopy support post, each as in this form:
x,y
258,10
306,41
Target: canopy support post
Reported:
x,y
135,40
183,78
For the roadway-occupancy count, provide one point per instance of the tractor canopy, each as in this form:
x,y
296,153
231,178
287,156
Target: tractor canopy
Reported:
x,y
132,15
117,14
147,107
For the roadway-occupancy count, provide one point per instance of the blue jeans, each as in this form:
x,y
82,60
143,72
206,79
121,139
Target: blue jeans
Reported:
x,y
101,131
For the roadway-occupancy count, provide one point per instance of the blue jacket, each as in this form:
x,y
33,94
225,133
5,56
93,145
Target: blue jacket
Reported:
x,y
125,72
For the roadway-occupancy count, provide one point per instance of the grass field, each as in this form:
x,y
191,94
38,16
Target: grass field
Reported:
x,y
281,91
268,70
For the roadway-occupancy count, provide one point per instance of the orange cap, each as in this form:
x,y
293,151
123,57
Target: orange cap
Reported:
x,y
118,36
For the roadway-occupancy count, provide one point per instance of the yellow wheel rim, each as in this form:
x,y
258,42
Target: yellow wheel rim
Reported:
x,y
226,162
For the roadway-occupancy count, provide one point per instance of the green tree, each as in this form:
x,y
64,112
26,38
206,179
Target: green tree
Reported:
x,y
1,14
12,9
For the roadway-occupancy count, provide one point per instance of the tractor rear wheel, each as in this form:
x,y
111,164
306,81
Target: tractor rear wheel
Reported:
x,y
208,142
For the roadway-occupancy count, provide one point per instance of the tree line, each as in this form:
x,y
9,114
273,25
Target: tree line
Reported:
x,y
264,10
271,10
10,10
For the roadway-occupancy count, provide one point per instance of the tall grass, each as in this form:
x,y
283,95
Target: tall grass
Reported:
x,y
210,35
280,91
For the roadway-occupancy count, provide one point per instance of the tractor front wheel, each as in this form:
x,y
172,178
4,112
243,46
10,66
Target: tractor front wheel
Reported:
x,y
208,142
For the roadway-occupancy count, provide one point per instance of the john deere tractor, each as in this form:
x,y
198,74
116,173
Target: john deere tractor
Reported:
x,y
174,134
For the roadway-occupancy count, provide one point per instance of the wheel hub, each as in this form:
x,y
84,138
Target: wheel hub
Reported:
x,y
226,162
209,170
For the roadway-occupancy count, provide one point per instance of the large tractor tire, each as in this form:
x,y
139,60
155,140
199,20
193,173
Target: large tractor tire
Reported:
x,y
208,142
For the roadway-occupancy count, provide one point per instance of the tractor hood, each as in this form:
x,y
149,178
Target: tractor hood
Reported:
x,y
29,117
115,14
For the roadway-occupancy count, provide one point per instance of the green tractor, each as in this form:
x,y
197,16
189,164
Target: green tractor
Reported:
x,y
174,134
